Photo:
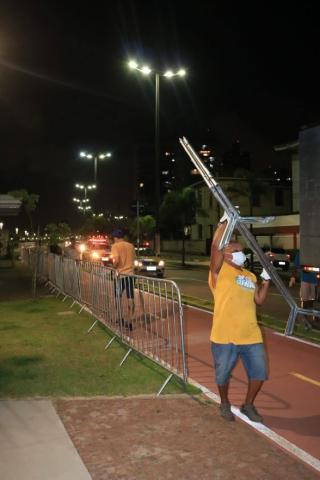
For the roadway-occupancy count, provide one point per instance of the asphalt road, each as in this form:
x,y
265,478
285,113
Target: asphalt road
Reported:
x,y
193,282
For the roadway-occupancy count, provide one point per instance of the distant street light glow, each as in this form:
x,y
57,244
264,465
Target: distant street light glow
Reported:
x,y
95,157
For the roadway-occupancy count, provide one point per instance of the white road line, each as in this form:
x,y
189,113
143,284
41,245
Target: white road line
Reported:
x,y
301,340
266,431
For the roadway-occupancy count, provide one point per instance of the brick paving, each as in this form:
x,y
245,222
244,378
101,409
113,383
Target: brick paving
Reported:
x,y
171,437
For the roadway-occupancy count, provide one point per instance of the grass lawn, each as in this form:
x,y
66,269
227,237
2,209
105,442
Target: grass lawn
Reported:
x,y
46,351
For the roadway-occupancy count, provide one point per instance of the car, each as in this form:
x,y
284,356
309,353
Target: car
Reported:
x,y
149,266
97,249
277,256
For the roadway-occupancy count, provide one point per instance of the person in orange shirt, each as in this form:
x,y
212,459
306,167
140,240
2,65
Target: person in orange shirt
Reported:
x,y
123,254
235,332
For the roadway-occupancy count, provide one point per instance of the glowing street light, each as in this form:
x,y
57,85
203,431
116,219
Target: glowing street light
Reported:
x,y
95,157
146,70
84,200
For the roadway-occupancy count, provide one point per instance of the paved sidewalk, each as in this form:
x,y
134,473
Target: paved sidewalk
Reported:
x,y
34,444
171,437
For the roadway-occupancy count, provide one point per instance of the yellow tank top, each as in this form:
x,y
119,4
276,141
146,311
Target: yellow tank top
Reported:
x,y
234,318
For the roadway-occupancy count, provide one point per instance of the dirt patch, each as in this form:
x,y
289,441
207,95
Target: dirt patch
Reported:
x,y
171,438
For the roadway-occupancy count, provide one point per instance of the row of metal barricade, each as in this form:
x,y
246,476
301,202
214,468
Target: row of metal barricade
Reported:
x,y
145,313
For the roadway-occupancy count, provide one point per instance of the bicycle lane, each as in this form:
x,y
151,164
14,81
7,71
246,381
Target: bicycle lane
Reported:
x,y
289,401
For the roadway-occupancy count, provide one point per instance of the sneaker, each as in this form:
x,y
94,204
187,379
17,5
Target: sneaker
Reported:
x,y
225,412
251,412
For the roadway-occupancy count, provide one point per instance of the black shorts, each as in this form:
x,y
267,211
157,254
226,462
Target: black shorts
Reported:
x,y
126,283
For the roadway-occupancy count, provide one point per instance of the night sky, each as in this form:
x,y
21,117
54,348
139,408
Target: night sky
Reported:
x,y
65,86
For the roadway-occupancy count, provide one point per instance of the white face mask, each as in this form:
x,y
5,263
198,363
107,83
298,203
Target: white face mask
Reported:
x,y
238,258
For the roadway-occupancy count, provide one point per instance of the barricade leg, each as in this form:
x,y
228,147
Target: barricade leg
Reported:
x,y
110,341
126,356
94,323
165,384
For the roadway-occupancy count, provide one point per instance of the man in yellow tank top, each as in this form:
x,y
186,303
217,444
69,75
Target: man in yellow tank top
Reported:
x,y
235,332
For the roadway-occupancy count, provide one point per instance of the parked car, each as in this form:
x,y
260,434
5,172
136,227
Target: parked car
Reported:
x,y
277,256
149,265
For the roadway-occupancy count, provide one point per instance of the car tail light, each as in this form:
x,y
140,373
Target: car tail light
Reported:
x,y
288,256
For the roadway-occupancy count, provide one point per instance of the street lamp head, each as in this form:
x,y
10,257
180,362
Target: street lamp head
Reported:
x,y
179,73
146,70
133,65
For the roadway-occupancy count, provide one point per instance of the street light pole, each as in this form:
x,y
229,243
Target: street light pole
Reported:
x,y
95,169
145,70
157,162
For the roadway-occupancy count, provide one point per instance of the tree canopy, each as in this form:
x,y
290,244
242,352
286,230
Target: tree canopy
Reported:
x,y
29,202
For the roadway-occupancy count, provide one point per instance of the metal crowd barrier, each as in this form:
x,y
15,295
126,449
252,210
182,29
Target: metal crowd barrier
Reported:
x,y
145,313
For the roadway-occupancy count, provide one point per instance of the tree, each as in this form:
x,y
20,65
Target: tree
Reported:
x,y
147,225
178,210
57,232
29,202
93,225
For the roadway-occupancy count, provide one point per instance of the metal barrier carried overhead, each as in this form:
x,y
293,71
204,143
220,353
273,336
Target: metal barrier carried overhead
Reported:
x,y
236,221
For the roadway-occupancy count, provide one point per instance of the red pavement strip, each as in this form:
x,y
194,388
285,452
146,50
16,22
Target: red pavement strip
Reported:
x,y
289,401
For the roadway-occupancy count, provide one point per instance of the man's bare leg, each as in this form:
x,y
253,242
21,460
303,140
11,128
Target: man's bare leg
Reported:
x,y
248,408
223,392
253,390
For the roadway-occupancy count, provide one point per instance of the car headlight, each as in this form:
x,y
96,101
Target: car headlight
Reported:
x,y
161,263
95,255
82,247
136,263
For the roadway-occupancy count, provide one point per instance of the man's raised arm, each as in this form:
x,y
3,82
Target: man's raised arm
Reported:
x,y
216,257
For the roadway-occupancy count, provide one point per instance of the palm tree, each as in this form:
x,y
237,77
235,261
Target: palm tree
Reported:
x,y
178,210
29,202
147,225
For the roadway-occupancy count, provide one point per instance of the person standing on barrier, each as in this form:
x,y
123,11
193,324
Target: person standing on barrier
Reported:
x,y
235,332
123,254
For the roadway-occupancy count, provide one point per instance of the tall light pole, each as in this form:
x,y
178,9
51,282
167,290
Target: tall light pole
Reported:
x,y
83,204
85,188
85,200
145,70
95,157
